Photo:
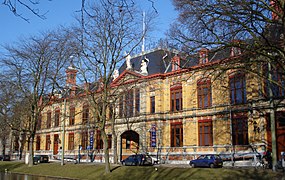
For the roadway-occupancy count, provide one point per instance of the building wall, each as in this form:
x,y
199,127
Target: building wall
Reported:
x,y
220,113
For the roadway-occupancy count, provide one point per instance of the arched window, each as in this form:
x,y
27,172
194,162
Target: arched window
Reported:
x,y
85,114
71,115
237,88
56,117
277,82
204,93
48,125
176,98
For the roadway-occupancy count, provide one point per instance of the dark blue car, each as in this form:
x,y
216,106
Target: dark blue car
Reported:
x,y
209,160
137,160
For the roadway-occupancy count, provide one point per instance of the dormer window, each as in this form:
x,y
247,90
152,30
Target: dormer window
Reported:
x,y
203,56
175,63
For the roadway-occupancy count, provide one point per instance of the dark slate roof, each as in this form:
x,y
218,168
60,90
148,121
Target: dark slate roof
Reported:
x,y
159,61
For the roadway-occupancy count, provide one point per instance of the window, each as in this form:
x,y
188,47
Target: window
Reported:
x,y
38,143
84,140
204,93
48,142
85,114
111,111
176,99
280,119
56,118
278,88
137,101
278,83
240,131
205,133
39,123
70,141
71,116
99,141
48,119
121,107
176,135
129,104
152,104
237,88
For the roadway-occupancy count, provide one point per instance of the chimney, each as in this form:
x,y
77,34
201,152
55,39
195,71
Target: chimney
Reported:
x,y
71,79
87,86
235,49
175,63
276,9
203,55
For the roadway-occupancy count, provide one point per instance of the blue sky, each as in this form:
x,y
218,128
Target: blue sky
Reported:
x,y
61,12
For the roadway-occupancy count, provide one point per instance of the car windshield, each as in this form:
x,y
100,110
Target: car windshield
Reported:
x,y
201,157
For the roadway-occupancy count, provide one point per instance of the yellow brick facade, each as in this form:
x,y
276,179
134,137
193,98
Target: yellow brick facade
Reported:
x,y
221,113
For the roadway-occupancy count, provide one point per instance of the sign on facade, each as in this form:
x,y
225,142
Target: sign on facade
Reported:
x,y
153,135
91,139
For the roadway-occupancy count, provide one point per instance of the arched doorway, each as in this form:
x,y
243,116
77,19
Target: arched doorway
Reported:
x,y
129,143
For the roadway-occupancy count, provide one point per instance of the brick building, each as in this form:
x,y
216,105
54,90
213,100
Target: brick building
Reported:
x,y
174,108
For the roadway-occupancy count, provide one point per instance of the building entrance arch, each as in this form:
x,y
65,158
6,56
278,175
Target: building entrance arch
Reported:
x,y
129,143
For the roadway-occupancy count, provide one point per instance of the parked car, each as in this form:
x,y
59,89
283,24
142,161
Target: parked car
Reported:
x,y
70,159
5,158
209,160
41,159
137,160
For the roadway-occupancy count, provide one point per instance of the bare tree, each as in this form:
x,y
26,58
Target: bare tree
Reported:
x,y
17,7
4,130
108,29
34,68
20,7
255,29
8,101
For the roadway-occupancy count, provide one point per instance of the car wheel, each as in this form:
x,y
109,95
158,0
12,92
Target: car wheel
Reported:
x,y
212,165
192,165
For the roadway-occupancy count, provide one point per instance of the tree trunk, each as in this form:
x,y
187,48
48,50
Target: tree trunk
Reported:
x,y
4,147
115,152
115,138
31,152
106,151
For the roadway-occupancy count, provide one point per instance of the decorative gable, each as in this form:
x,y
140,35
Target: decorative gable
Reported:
x,y
127,76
